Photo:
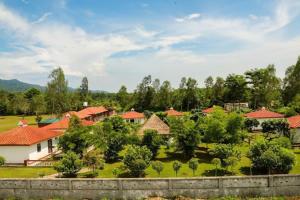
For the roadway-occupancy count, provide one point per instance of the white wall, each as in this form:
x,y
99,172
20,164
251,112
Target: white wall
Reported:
x,y
262,120
14,154
17,154
138,121
297,136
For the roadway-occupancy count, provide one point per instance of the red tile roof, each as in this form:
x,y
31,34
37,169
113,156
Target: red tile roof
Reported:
x,y
263,113
132,115
26,136
294,121
64,124
208,110
87,112
172,112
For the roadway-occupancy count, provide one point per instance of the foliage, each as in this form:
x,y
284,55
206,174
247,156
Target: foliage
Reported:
x,y
116,172
157,166
69,165
137,159
224,151
186,134
283,142
273,128
75,140
217,163
176,166
231,162
193,164
152,140
93,160
291,82
267,156
250,124
2,161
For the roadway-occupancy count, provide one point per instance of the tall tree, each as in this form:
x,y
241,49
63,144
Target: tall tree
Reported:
x,y
144,94
57,92
264,86
123,97
209,83
190,99
236,88
218,91
84,89
291,82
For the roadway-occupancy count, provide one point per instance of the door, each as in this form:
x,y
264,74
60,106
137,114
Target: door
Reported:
x,y
50,148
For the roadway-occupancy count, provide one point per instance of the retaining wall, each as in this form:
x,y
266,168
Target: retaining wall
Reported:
x,y
276,185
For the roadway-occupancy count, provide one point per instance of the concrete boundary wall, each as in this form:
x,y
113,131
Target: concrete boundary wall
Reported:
x,y
275,185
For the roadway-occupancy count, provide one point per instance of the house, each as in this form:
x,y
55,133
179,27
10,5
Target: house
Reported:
x,y
27,143
22,122
262,115
46,122
294,122
63,124
235,106
155,123
133,117
173,113
210,110
94,113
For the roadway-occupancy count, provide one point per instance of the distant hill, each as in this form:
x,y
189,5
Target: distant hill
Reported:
x,y
15,85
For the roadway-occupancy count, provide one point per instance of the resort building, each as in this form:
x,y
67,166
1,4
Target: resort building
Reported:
x,y
94,113
173,113
27,143
133,117
263,115
295,125
155,123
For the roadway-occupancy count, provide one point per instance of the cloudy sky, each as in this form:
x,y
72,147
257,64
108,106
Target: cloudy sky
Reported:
x,y
119,42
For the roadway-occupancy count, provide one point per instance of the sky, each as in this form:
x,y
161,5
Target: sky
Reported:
x,y
118,42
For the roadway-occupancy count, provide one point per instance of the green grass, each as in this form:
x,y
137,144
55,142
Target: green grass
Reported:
x,y
25,172
9,122
205,168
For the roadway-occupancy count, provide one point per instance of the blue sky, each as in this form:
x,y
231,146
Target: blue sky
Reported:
x,y
119,42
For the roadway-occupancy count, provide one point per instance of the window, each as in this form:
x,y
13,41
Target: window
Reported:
x,y
38,147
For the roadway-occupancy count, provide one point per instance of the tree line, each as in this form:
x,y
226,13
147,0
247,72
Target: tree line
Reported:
x,y
260,87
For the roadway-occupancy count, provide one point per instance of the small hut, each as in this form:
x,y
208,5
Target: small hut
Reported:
x,y
155,123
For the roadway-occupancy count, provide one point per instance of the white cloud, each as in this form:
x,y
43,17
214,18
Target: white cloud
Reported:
x,y
188,17
42,18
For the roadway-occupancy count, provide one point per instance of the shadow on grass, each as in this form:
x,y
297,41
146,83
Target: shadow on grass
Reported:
x,y
248,171
219,172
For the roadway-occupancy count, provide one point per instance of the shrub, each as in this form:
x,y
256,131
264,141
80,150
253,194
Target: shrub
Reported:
x,y
116,172
193,165
283,142
157,166
137,159
217,163
271,157
176,166
69,165
2,161
91,174
152,141
224,151
93,160
250,124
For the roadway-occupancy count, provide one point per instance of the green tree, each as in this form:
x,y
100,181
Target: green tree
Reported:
x,y
137,159
236,88
144,94
2,161
57,92
69,165
231,162
291,82
193,165
264,86
157,166
84,89
176,166
123,97
250,124
93,160
217,163
152,140
224,151
218,90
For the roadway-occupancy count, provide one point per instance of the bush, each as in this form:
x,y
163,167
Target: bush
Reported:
x,y
193,165
69,165
283,142
93,160
216,162
137,159
2,161
224,151
250,124
271,157
91,174
176,166
157,166
152,141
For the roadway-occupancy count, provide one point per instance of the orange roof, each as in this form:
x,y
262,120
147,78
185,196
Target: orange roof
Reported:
x,y
294,121
87,112
263,113
172,112
26,136
208,110
132,115
64,124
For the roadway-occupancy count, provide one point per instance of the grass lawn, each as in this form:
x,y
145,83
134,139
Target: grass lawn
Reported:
x,y
25,172
205,168
9,122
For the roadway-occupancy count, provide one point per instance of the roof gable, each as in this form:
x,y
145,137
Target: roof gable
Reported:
x,y
172,112
263,113
132,115
294,121
155,123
